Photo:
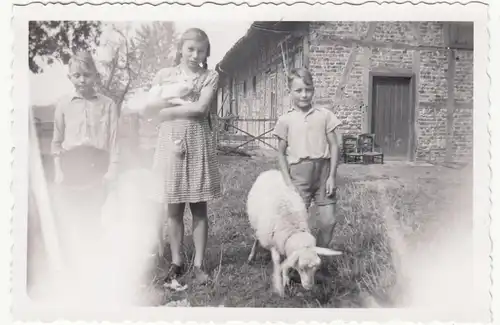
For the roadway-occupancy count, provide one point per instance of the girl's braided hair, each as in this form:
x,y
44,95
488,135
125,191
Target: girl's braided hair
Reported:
x,y
194,34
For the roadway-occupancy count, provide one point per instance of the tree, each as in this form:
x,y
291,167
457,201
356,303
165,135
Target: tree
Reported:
x,y
59,39
157,43
117,74
136,57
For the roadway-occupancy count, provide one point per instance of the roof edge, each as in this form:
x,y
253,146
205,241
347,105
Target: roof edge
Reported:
x,y
251,31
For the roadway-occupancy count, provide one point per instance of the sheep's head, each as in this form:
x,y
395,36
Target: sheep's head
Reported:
x,y
307,264
307,261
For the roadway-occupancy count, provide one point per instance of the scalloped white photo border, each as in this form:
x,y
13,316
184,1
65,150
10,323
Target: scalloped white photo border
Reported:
x,y
15,125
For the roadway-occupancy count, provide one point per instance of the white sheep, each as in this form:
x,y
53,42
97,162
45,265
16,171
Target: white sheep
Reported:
x,y
279,217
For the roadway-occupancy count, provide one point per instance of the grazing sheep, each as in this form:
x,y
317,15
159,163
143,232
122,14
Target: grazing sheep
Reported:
x,y
279,218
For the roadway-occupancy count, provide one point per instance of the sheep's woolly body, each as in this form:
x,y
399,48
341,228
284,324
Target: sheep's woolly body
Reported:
x,y
276,212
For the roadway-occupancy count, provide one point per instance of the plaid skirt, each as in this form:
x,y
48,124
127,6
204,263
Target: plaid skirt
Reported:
x,y
186,160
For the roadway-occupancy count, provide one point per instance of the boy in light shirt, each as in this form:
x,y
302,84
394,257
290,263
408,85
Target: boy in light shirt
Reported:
x,y
308,152
85,151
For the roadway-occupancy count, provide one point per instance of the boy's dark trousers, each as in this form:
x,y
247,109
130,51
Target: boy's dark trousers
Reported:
x,y
309,177
79,199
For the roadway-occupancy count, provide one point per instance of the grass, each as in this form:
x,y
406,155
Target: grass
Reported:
x,y
381,210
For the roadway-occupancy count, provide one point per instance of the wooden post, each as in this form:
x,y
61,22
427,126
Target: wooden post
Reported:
x,y
365,63
305,49
450,105
415,94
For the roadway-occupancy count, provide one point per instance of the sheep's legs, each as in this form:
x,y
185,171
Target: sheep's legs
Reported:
x,y
253,251
277,280
288,263
285,277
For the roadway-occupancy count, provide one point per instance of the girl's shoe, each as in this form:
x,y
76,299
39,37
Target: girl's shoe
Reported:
x,y
174,272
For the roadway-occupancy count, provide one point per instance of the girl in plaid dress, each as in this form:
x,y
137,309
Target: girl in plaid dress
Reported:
x,y
185,156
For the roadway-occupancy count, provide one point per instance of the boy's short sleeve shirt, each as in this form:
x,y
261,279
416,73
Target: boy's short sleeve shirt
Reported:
x,y
306,133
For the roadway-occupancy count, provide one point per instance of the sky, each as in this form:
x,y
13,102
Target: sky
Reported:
x,y
47,87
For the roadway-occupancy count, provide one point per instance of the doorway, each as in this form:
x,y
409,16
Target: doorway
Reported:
x,y
392,115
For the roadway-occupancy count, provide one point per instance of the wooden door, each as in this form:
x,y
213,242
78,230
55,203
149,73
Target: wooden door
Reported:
x,y
392,115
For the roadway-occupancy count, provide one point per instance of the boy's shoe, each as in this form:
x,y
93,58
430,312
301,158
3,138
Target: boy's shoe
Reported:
x,y
199,275
323,275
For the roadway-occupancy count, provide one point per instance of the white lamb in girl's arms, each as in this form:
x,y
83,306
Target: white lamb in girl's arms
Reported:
x,y
279,217
170,91
173,92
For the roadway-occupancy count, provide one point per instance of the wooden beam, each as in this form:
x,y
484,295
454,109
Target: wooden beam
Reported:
x,y
306,49
443,103
415,29
392,72
450,104
392,45
365,62
345,74
414,114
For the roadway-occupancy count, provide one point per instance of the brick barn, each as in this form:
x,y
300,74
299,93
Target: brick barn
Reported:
x,y
409,83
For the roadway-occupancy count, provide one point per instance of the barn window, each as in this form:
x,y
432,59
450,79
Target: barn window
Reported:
x,y
460,35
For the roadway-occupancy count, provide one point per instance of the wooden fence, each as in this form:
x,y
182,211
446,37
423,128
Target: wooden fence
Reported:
x,y
244,133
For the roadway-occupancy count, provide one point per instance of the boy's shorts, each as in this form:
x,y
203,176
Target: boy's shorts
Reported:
x,y
309,177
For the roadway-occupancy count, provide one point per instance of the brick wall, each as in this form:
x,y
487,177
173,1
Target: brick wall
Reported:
x,y
391,47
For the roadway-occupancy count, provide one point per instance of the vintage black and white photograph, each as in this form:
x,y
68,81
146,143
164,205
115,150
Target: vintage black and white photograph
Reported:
x,y
254,163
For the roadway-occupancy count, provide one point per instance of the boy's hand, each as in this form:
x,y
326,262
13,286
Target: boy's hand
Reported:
x,y
330,186
111,175
59,176
291,185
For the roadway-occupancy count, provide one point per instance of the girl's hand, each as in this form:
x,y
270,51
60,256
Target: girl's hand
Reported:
x,y
166,114
330,186
170,91
178,101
